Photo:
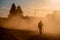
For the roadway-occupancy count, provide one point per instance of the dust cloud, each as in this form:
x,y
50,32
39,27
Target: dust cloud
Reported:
x,y
52,23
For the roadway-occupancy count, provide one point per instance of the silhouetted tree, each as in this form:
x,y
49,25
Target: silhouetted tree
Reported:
x,y
19,9
40,27
13,9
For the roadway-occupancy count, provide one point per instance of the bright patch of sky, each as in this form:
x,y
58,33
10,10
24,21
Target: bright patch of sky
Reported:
x,y
45,4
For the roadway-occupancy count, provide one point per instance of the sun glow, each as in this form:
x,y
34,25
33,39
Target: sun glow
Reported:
x,y
54,4
55,1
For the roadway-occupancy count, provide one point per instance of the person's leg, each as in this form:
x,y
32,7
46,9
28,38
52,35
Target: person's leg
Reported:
x,y
40,34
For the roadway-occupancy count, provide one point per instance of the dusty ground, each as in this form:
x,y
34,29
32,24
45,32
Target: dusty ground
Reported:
x,y
24,35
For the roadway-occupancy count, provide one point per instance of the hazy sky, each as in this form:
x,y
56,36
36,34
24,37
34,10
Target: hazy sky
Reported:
x,y
23,3
43,4
6,4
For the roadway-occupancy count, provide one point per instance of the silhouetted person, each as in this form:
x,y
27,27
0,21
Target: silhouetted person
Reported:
x,y
40,27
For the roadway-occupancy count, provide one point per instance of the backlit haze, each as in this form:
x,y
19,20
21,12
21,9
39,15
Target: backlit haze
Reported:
x,y
36,8
42,7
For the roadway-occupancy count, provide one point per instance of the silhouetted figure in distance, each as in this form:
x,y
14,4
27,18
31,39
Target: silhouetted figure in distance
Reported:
x,y
40,27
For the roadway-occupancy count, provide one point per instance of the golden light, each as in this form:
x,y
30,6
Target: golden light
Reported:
x,y
55,1
54,4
